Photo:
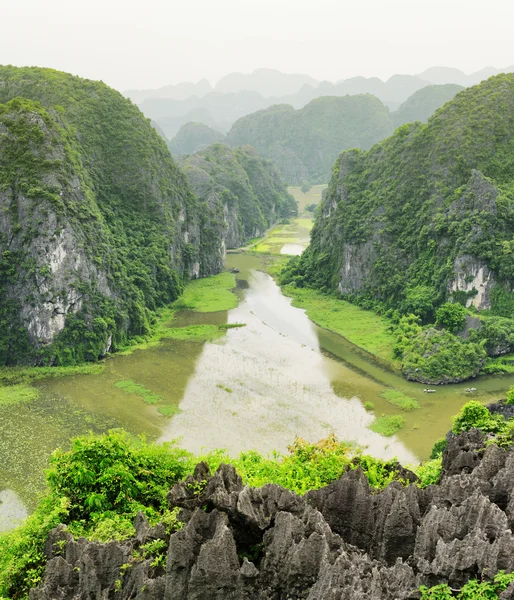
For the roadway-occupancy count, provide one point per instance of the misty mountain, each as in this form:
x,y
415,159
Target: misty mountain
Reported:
x,y
423,103
237,94
304,143
267,82
193,137
181,91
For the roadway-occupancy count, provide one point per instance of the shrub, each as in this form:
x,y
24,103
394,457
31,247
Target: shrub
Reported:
x,y
400,399
475,415
510,396
114,473
451,316
438,448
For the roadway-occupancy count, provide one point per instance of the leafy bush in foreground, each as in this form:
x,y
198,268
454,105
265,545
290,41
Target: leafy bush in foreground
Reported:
x,y
473,590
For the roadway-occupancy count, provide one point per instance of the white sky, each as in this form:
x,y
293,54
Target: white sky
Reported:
x,y
134,44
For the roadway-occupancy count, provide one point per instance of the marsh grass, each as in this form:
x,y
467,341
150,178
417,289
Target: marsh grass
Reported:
x,y
399,399
387,425
361,327
131,387
16,394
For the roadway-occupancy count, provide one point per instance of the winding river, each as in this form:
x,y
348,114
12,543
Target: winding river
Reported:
x,y
258,387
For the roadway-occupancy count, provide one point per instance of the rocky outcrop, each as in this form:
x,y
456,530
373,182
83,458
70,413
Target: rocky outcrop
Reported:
x,y
345,541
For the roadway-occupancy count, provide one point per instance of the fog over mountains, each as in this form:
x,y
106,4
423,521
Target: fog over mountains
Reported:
x,y
238,94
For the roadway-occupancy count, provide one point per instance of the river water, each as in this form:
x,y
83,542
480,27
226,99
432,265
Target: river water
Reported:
x,y
258,387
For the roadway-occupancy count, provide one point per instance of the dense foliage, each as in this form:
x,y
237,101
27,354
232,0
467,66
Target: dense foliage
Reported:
x,y
98,486
193,137
408,208
82,170
473,590
244,192
305,143
435,356
425,217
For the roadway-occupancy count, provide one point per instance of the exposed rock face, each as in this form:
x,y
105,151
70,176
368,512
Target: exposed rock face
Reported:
x,y
426,208
98,226
344,541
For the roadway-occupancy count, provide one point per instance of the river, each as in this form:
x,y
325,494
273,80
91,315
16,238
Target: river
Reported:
x,y
257,387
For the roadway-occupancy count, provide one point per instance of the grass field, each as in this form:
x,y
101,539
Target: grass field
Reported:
x,y
361,327
313,196
211,294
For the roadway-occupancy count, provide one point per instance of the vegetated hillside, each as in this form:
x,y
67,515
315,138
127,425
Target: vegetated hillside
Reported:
x,y
423,103
425,217
322,522
304,143
98,226
193,137
244,192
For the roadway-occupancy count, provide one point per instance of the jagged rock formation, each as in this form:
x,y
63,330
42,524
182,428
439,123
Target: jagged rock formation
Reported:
x,y
244,192
344,541
193,137
428,213
305,143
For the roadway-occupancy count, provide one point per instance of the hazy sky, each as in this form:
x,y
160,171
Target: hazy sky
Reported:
x,y
150,43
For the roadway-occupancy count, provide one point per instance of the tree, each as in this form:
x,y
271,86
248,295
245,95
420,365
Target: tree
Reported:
x,y
451,316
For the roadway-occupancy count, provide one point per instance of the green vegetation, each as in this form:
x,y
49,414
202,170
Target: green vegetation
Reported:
x,y
17,393
99,486
405,227
473,590
243,192
130,387
211,294
399,399
169,410
435,356
295,232
451,316
305,143
387,425
510,396
193,137
423,103
78,157
361,327
429,472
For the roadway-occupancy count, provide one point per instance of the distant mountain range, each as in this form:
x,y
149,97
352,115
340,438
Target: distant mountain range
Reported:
x,y
238,94
304,143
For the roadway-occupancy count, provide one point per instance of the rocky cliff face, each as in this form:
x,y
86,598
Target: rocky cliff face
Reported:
x,y
97,225
244,192
344,541
430,208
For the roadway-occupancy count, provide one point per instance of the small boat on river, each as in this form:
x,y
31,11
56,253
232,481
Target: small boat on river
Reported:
x,y
427,391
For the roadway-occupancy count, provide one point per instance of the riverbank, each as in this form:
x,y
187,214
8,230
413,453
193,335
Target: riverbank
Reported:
x,y
365,329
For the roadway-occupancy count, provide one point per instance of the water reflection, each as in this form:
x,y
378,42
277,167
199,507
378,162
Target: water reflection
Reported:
x,y
12,510
267,382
